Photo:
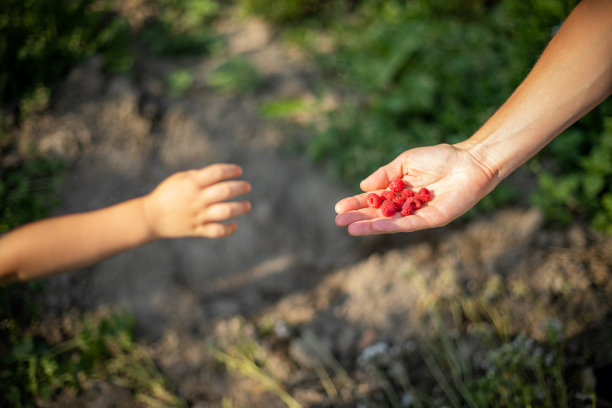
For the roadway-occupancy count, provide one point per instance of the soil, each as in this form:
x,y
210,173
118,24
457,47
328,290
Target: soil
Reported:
x,y
288,267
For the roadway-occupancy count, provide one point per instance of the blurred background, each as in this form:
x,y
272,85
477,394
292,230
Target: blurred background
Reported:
x,y
510,306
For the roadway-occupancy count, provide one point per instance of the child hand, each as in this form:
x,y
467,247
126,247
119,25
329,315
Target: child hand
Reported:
x,y
193,202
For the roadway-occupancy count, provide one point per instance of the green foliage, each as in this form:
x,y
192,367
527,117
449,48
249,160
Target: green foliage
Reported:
x,y
237,75
42,39
290,11
521,373
103,349
516,373
29,192
182,28
580,185
472,354
283,108
178,82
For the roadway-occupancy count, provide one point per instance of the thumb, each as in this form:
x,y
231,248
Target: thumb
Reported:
x,y
380,178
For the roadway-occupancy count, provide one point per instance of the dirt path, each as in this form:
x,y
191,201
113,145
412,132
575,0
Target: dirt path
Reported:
x,y
288,261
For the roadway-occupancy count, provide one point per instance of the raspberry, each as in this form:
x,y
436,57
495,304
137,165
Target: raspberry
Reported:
x,y
407,208
397,185
388,208
407,193
414,202
387,195
399,198
399,201
424,195
374,200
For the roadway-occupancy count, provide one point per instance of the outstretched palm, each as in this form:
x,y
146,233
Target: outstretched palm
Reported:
x,y
457,182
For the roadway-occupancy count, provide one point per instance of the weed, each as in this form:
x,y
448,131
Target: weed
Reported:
x,y
178,82
510,370
182,28
102,348
42,39
29,192
248,358
237,75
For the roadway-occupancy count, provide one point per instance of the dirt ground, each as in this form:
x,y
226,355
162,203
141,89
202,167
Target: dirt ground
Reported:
x,y
287,263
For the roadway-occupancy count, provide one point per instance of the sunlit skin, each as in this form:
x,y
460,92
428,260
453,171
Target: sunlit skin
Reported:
x,y
573,75
192,203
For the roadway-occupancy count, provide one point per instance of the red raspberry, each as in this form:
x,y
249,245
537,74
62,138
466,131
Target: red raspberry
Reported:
x,y
388,208
407,193
414,202
374,200
399,201
387,195
424,195
407,208
397,185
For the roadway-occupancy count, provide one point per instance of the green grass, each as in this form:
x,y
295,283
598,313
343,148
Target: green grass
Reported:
x,y
236,75
102,348
29,191
182,28
42,40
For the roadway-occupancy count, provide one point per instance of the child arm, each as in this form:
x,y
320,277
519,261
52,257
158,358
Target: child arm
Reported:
x,y
190,203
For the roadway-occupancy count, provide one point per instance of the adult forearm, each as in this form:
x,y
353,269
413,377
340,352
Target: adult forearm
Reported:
x,y
63,243
573,75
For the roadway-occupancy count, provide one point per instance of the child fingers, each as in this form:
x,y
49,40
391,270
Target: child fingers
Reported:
x,y
215,173
226,210
216,230
225,190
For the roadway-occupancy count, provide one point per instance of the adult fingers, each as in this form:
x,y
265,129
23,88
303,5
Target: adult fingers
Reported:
x,y
225,190
427,217
352,203
380,178
226,210
347,218
215,173
387,225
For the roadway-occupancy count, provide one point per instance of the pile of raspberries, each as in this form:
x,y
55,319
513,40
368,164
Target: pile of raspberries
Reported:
x,y
399,198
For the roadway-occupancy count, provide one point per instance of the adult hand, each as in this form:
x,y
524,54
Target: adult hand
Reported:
x,y
456,179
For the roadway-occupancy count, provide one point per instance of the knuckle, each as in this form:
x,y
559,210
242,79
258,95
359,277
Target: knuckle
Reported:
x,y
227,190
219,230
227,211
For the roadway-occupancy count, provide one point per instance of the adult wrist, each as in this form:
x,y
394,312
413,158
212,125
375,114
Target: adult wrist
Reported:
x,y
482,157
